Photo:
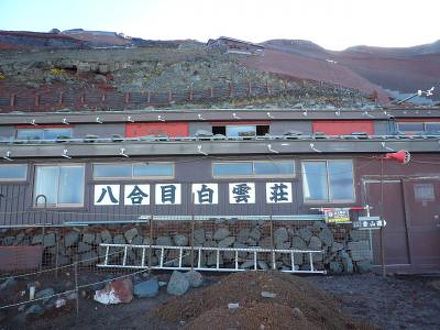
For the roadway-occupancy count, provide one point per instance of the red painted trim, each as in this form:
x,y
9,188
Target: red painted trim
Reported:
x,y
337,127
171,129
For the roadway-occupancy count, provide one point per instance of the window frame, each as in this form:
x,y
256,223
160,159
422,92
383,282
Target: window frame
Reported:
x,y
58,205
43,131
424,127
253,175
132,177
23,179
328,200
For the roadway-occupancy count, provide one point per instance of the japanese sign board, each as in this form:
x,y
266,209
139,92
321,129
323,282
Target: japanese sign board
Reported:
x,y
365,223
337,215
202,193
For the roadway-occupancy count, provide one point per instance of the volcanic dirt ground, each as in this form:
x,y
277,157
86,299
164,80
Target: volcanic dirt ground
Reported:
x,y
264,300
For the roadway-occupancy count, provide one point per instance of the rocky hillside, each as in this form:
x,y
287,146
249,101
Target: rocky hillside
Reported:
x,y
289,73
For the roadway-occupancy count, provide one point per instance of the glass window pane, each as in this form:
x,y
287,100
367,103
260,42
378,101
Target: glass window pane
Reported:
x,y
71,185
30,134
112,171
411,127
433,127
273,168
11,172
152,169
341,179
227,169
315,181
53,133
46,184
241,130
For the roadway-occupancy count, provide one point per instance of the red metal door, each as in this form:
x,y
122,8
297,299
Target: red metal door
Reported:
x,y
422,209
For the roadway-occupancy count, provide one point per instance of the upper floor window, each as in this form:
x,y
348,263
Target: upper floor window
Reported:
x,y
254,169
13,172
133,170
328,181
43,133
241,130
61,185
419,127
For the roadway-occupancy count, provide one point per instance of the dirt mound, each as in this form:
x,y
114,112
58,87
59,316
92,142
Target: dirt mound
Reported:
x,y
293,302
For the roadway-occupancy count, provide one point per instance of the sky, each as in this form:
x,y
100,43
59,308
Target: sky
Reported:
x,y
332,24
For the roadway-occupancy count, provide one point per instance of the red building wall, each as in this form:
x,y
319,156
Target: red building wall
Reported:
x,y
171,129
331,127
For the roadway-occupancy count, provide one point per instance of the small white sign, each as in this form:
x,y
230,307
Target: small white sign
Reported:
x,y
137,194
205,193
242,193
107,194
168,194
278,192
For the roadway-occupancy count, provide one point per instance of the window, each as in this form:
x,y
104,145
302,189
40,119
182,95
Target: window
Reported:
x,y
254,169
133,170
419,127
63,186
241,130
44,134
328,181
13,172
424,192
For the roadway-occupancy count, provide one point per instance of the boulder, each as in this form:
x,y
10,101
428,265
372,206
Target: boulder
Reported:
x,y
266,243
226,242
315,243
263,265
130,234
195,279
106,237
181,240
83,247
119,239
212,259
199,236
243,235
305,234
346,262
221,234
335,267
9,240
326,236
364,266
255,234
147,289
46,294
71,238
88,238
115,292
178,284
37,239
336,246
298,243
164,240
280,235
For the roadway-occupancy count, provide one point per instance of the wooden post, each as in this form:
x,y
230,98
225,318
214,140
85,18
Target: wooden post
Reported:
x,y
249,88
127,97
61,98
149,97
13,100
231,89
211,92
37,100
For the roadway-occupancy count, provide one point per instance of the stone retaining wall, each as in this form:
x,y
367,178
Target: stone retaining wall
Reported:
x,y
344,250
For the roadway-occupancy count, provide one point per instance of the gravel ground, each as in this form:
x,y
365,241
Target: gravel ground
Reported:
x,y
410,302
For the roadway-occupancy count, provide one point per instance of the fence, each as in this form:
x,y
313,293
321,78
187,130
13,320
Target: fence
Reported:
x,y
67,273
17,98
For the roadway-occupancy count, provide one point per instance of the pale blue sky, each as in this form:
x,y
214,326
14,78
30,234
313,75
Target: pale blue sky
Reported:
x,y
333,24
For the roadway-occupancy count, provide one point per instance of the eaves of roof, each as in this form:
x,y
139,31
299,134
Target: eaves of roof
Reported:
x,y
209,146
73,117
